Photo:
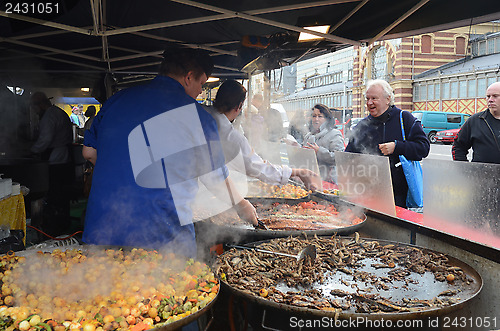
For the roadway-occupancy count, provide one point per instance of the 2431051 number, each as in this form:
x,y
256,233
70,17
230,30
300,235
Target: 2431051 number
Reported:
x,y
32,8
470,322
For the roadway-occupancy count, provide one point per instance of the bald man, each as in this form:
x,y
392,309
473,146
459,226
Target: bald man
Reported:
x,y
481,132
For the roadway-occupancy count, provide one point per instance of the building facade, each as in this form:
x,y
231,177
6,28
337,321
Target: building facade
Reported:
x,y
461,86
338,79
398,61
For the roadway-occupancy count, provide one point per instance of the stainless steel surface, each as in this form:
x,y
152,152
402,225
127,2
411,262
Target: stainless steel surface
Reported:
x,y
366,180
465,200
302,158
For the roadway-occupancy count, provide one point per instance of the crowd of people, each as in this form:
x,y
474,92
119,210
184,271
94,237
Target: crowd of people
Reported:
x,y
136,168
153,147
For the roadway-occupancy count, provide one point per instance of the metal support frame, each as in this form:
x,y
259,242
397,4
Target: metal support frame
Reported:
x,y
253,18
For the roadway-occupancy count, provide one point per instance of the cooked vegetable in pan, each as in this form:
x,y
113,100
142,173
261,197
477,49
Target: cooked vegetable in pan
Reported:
x,y
100,289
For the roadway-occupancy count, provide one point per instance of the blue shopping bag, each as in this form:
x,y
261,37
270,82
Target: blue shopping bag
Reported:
x,y
414,177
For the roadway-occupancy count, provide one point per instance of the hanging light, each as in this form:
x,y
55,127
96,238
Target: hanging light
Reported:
x,y
212,79
304,36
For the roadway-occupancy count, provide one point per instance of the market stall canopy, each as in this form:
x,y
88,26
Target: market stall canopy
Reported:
x,y
80,42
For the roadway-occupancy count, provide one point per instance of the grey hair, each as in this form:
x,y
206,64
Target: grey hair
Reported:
x,y
385,86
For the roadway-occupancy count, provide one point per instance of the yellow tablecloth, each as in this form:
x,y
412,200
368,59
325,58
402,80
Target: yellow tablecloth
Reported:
x,y
13,213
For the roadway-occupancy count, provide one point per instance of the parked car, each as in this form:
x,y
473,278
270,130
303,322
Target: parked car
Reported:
x,y
447,136
435,121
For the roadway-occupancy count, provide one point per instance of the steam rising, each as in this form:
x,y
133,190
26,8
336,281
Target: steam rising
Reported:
x,y
62,283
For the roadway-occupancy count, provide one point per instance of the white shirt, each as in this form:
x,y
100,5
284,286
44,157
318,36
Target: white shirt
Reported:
x,y
234,142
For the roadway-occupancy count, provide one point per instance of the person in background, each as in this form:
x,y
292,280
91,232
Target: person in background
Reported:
x,y
74,116
89,114
380,134
253,124
227,106
149,163
325,140
299,126
80,116
481,132
54,145
88,167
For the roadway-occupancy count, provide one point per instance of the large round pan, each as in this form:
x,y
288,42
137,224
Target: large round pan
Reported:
x,y
167,327
212,232
466,294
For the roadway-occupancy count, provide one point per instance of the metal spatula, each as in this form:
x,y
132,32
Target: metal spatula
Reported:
x,y
309,250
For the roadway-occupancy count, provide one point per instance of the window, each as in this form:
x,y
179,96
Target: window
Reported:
x,y
349,74
454,90
418,116
426,44
430,92
481,48
491,46
460,45
437,89
423,93
481,86
475,50
416,91
446,91
491,80
379,63
497,45
471,88
452,118
462,89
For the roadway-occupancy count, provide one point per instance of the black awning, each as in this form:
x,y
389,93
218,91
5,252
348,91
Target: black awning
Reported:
x,y
81,43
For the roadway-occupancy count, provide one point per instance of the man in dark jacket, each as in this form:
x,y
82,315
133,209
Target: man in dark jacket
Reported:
x,y
380,134
54,145
481,132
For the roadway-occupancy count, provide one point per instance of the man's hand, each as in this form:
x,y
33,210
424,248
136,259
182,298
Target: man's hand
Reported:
x,y
387,148
311,180
246,211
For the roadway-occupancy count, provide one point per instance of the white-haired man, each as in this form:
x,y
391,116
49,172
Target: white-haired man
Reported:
x,y
380,134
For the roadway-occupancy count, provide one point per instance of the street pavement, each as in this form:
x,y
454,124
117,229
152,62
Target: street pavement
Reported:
x,y
443,152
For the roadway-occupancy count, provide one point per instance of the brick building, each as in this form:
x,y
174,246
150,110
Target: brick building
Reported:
x,y
446,70
460,86
399,61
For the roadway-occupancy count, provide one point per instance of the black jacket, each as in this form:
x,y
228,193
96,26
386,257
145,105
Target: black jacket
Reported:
x,y
370,132
478,134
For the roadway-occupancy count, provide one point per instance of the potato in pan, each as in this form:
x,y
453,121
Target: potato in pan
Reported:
x,y
101,289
